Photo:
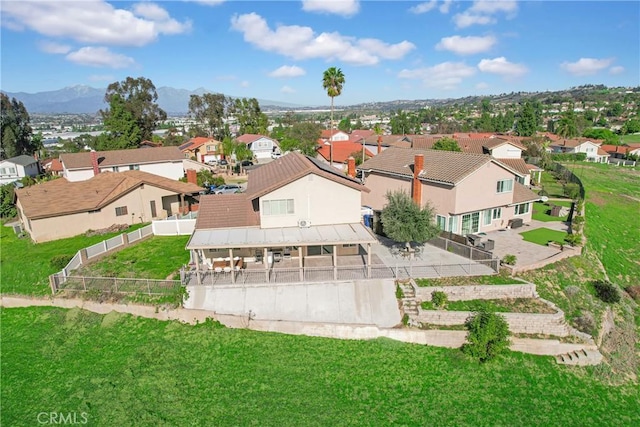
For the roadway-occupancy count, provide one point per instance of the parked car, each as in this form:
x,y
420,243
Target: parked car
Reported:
x,y
223,162
245,163
212,162
227,188
275,155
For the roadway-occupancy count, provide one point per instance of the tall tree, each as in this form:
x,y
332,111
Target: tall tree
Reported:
x,y
405,221
526,124
249,116
303,137
211,110
139,97
332,82
446,144
566,126
15,128
122,128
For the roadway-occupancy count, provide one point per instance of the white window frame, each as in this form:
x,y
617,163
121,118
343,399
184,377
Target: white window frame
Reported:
x,y
441,222
504,186
121,210
496,214
278,207
517,209
487,216
453,224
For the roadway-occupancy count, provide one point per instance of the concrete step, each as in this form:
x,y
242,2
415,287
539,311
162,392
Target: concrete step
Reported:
x,y
583,357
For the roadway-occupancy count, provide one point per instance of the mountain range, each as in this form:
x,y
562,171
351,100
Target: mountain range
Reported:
x,y
88,100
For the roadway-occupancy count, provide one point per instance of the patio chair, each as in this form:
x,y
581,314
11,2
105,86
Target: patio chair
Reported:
x,y
217,270
227,269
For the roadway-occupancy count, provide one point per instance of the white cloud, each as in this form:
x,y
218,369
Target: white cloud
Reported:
x,y
447,75
101,78
466,45
93,21
445,6
53,47
287,89
586,66
482,86
206,2
480,13
299,42
100,57
616,70
337,7
288,71
502,67
424,7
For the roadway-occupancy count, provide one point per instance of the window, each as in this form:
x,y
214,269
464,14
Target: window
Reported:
x,y
453,224
134,167
3,171
504,186
521,209
95,211
115,169
497,213
122,210
12,170
487,216
470,223
441,222
520,179
278,207
154,213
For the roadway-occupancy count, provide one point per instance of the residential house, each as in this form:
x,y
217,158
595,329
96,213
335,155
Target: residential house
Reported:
x,y
262,146
60,208
469,192
16,168
162,161
378,143
295,208
621,151
342,150
592,148
201,149
52,167
334,135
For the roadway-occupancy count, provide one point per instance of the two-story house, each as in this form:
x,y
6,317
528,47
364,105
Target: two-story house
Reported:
x,y
161,161
18,167
261,146
591,148
469,192
294,207
201,149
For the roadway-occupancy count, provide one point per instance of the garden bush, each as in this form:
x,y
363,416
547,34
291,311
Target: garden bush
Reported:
x,y
573,239
439,298
585,323
488,336
60,261
571,190
607,292
509,259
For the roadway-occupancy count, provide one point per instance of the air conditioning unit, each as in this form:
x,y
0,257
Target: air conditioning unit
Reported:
x,y
304,223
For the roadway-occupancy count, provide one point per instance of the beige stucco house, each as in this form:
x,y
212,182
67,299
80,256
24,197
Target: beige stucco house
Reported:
x,y
295,207
60,208
592,148
162,161
470,192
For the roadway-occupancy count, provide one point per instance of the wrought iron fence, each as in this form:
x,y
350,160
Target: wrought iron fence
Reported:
x,y
118,285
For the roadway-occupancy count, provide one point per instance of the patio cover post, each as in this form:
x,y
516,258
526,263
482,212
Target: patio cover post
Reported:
x,y
300,249
368,260
232,265
265,254
335,262
194,254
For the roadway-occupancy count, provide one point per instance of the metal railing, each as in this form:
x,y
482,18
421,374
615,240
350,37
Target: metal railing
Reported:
x,y
119,285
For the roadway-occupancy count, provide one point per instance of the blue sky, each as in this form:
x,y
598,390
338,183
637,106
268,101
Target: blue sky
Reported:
x,y
278,50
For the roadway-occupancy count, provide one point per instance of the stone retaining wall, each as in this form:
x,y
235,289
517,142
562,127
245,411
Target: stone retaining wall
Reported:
x,y
465,293
519,323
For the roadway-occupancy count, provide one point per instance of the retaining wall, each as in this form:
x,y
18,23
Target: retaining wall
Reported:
x,y
465,293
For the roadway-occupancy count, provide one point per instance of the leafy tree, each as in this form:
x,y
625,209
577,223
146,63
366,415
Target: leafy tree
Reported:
x,y
526,124
15,128
172,138
139,98
7,208
485,105
345,125
303,137
249,116
210,110
603,134
333,81
242,152
488,336
567,126
485,123
228,146
123,130
615,110
446,144
405,221
631,126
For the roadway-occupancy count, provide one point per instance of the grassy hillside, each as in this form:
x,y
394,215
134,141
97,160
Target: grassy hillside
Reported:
x,y
121,370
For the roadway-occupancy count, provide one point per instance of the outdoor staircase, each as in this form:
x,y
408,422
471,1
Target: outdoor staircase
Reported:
x,y
409,303
582,357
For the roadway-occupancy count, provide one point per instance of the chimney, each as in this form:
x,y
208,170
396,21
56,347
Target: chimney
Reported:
x,y
94,162
379,144
351,167
192,176
418,166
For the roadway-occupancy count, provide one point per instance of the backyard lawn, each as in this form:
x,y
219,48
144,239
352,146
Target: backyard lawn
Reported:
x,y
542,236
541,210
635,137
121,370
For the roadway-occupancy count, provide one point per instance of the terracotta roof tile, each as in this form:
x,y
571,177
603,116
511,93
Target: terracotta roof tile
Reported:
x,y
440,166
122,157
518,165
342,150
226,211
61,197
522,194
248,138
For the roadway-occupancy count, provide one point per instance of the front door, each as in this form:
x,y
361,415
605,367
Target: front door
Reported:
x,y
154,214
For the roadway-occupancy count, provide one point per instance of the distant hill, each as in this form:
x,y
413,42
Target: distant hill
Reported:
x,y
88,100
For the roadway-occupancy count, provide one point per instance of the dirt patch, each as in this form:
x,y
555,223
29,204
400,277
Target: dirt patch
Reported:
x,y
597,199
115,228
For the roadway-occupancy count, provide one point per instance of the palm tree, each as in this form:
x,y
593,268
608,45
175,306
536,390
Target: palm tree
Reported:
x,y
332,82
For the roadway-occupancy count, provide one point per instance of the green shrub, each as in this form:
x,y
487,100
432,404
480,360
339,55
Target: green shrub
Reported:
x,y
606,291
571,190
60,261
405,319
399,292
488,336
439,298
573,239
509,259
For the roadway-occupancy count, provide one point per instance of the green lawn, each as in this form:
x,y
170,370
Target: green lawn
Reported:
x,y
612,226
517,305
26,266
541,210
551,185
121,370
543,235
498,279
630,138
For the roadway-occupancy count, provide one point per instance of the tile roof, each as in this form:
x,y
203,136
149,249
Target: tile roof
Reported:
x,y
573,143
53,165
289,168
440,166
226,211
122,157
61,197
327,133
22,160
248,138
389,140
518,165
522,194
342,150
361,133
